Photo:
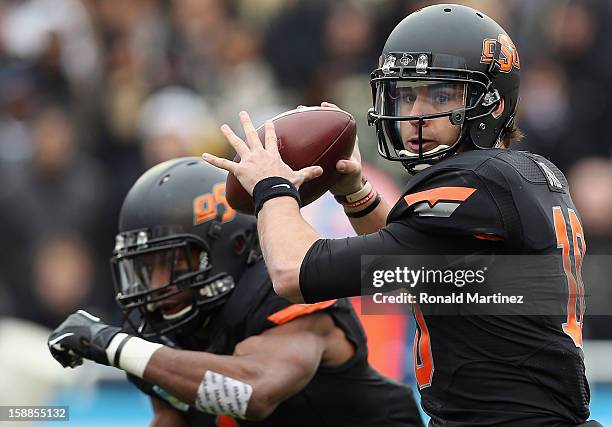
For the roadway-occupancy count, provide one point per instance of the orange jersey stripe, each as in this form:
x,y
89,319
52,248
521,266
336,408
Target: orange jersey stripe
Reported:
x,y
434,195
287,314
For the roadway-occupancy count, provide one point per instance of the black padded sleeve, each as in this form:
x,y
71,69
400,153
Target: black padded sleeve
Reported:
x,y
332,267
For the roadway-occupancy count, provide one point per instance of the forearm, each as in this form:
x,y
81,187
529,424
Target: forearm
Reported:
x,y
273,366
180,372
285,238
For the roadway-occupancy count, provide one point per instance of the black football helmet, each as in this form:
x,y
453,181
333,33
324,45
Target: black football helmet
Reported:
x,y
463,64
180,249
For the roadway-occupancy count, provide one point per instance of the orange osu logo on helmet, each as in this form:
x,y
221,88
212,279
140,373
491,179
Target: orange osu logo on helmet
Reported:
x,y
205,206
508,55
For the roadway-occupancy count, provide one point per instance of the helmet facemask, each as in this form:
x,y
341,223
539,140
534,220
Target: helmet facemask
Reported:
x,y
412,92
164,284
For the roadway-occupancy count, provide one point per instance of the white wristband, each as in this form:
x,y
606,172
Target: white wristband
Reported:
x,y
360,194
134,355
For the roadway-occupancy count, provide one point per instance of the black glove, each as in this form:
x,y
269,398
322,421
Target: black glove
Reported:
x,y
81,335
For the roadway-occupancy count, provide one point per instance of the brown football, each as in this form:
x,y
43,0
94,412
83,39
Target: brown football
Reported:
x,y
307,136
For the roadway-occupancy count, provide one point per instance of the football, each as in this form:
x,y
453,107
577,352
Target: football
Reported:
x,y
306,136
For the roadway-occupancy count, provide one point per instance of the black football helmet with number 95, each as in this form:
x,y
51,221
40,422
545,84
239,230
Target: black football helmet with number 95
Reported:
x,y
180,249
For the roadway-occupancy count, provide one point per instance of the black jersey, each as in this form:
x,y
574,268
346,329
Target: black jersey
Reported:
x,y
482,370
352,394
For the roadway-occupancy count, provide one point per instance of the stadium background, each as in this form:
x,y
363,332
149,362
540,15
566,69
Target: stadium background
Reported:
x,y
93,92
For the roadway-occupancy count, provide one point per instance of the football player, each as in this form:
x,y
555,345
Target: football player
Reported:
x,y
206,334
445,96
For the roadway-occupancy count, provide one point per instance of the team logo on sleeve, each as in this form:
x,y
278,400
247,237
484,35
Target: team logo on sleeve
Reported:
x,y
438,202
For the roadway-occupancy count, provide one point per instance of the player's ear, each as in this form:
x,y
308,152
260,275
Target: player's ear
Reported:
x,y
499,110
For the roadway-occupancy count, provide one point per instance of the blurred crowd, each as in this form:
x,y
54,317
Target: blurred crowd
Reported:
x,y
93,92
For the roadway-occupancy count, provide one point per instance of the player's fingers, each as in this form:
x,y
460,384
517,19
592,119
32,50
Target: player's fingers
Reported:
x,y
271,140
329,105
235,141
356,153
348,167
58,347
311,172
252,139
221,163
76,361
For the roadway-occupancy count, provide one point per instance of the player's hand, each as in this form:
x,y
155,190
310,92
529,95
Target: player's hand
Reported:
x,y
258,160
81,335
351,180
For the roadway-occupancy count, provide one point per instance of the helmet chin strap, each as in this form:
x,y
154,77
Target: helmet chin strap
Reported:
x,y
411,155
422,166
407,153
177,314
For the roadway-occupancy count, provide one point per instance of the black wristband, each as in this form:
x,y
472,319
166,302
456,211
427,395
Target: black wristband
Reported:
x,y
367,210
269,188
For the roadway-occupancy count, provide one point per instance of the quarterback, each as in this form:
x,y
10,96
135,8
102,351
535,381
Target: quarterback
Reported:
x,y
445,96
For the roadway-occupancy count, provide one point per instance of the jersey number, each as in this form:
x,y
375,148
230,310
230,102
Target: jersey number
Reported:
x,y
423,358
575,302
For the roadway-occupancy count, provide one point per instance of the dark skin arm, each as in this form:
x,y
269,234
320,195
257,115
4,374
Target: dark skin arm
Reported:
x,y
277,364
165,415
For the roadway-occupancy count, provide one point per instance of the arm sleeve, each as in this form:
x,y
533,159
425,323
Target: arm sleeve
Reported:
x,y
332,267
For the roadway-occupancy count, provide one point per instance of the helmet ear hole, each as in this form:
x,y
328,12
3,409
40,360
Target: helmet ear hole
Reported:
x,y
239,244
